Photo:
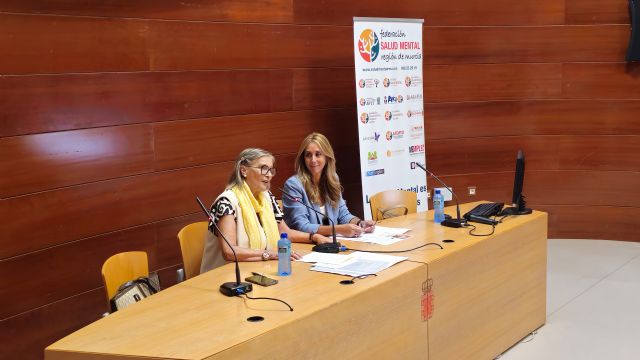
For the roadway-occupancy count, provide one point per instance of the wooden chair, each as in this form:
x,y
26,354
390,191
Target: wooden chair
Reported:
x,y
121,268
391,203
191,239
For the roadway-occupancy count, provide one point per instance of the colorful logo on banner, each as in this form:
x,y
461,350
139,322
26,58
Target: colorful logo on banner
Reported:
x,y
369,45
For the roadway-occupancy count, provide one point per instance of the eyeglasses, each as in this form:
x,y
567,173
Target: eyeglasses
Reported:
x,y
264,169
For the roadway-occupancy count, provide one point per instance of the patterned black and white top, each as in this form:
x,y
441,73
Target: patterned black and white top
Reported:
x,y
223,206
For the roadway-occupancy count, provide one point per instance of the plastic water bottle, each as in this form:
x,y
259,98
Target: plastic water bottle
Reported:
x,y
284,255
438,207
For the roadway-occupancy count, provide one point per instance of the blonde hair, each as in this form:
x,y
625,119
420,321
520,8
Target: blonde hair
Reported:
x,y
328,188
246,157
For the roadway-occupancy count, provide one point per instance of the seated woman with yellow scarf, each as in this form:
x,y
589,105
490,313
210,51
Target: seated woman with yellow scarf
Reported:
x,y
248,215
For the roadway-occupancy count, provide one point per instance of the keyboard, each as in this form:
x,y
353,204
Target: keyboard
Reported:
x,y
485,210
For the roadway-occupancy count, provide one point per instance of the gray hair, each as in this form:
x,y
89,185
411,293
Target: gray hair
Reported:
x,y
246,157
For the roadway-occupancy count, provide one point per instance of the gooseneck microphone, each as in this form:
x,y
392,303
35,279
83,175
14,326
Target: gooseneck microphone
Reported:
x,y
228,288
333,247
458,221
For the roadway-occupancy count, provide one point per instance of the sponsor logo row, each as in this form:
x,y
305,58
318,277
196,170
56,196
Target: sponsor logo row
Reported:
x,y
408,81
389,99
373,116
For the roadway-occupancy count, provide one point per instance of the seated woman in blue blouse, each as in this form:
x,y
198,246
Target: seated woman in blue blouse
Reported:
x,y
316,184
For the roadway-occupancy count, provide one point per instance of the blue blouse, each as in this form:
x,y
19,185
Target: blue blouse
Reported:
x,y
300,218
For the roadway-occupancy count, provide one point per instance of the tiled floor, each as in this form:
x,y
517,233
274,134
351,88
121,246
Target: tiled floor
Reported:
x,y
593,303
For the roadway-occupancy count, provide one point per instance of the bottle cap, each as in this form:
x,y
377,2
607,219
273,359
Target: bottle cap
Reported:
x,y
437,191
284,235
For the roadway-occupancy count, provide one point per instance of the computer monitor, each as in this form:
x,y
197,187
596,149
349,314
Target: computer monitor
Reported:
x,y
517,200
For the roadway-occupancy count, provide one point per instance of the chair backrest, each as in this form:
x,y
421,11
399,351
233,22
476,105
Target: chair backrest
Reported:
x,y
121,268
391,203
191,239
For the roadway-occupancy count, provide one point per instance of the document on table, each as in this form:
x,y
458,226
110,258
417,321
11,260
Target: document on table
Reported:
x,y
354,264
381,235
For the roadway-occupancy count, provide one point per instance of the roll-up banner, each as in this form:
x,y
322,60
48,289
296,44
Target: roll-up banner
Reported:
x,y
388,65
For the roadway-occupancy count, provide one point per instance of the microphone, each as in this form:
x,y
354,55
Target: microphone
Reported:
x,y
458,221
333,247
228,288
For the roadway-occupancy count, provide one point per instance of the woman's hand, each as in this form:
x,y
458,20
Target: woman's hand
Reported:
x,y
295,255
321,239
368,225
349,230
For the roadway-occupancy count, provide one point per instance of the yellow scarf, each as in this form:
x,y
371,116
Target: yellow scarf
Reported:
x,y
252,208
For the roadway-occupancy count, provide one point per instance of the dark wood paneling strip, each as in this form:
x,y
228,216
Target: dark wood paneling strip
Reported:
x,y
491,154
37,221
597,12
247,46
324,88
592,222
434,12
585,188
62,102
462,45
70,269
63,44
562,187
492,82
335,87
25,336
553,117
601,81
75,268
278,11
45,161
52,44
182,143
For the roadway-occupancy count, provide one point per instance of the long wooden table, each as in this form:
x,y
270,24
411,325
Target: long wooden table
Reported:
x,y
488,291
472,300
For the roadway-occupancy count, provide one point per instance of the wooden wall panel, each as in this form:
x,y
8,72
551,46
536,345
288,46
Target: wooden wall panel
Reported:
x,y
538,117
491,154
597,12
41,220
434,12
87,258
461,45
185,143
470,82
45,161
592,222
585,188
26,335
323,88
68,44
278,11
562,187
601,81
172,46
52,44
62,102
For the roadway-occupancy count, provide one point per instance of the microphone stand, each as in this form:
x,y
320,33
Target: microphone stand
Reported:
x,y
458,221
228,288
333,247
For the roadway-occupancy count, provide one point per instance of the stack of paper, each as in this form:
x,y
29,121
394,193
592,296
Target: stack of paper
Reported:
x,y
354,264
381,235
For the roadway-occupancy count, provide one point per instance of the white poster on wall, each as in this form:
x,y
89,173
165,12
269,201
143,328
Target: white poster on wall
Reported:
x,y
388,66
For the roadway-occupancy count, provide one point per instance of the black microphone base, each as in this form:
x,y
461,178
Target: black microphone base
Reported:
x,y
515,211
235,289
327,248
454,223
